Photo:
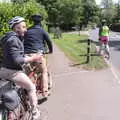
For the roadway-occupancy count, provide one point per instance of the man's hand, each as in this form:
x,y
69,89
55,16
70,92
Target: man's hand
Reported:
x,y
37,57
33,58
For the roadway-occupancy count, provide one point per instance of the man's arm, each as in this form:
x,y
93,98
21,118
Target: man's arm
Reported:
x,y
17,54
48,41
14,51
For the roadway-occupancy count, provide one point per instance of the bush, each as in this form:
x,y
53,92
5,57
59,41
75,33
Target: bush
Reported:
x,y
9,10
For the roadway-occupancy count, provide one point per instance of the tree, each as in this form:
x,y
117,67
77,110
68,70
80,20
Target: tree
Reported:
x,y
19,1
52,10
70,12
63,12
106,3
9,10
107,10
116,18
90,11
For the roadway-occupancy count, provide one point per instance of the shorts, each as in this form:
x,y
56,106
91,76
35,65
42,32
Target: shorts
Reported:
x,y
104,39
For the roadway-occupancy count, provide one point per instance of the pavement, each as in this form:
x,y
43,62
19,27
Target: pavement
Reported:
x,y
80,94
79,32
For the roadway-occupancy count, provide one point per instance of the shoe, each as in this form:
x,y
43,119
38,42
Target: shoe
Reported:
x,y
36,114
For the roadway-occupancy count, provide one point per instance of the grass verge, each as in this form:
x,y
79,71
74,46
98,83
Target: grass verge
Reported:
x,y
75,48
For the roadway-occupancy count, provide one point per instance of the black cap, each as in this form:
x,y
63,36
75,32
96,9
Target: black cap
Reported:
x,y
36,17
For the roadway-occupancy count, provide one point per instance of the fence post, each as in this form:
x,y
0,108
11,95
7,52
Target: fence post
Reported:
x,y
88,50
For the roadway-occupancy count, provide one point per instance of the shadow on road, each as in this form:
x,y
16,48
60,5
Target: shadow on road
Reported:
x,y
82,41
77,64
96,42
86,55
86,41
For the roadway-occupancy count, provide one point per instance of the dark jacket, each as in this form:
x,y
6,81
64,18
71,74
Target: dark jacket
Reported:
x,y
13,51
35,40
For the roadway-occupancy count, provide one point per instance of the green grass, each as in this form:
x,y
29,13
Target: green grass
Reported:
x,y
75,47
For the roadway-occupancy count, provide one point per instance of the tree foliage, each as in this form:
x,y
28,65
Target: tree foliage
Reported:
x,y
116,18
9,10
65,13
108,10
19,1
70,12
90,11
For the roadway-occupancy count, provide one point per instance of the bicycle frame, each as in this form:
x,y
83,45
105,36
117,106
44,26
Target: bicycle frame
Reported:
x,y
31,69
34,72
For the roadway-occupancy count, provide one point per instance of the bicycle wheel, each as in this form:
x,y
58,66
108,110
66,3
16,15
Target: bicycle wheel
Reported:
x,y
24,110
106,54
23,114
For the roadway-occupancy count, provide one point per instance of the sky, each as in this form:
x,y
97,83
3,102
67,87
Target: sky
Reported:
x,y
98,1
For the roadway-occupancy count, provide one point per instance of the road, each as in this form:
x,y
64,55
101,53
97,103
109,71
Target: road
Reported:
x,y
114,46
80,94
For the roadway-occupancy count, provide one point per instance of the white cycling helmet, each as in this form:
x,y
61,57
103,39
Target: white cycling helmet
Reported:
x,y
15,20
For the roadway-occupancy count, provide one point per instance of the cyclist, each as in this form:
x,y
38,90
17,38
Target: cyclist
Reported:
x,y
104,37
13,59
34,43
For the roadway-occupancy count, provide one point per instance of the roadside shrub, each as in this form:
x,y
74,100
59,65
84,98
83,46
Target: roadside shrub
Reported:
x,y
9,10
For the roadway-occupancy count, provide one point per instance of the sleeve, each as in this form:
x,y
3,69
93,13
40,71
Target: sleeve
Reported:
x,y
48,41
16,51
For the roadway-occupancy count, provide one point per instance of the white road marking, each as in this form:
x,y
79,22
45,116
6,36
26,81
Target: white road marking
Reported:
x,y
114,71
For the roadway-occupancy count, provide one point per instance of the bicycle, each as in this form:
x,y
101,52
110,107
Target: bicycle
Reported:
x,y
105,52
35,74
14,102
